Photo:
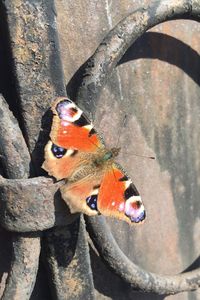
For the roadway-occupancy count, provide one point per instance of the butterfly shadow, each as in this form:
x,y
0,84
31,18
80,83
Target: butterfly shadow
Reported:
x,y
62,239
37,155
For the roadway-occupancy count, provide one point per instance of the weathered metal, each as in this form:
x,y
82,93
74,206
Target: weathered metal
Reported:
x,y
37,70
25,202
101,64
132,274
24,266
16,162
68,265
98,68
28,204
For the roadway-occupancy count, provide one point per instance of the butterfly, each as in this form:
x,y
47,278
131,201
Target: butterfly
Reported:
x,y
94,182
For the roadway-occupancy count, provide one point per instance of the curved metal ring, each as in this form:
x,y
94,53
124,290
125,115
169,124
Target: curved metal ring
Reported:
x,y
99,67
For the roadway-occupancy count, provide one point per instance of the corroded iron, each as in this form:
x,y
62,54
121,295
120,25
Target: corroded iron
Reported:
x,y
29,204
35,51
98,68
25,202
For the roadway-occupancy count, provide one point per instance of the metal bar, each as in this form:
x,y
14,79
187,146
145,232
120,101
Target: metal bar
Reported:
x,y
32,205
68,261
21,280
101,64
16,160
39,76
132,274
98,68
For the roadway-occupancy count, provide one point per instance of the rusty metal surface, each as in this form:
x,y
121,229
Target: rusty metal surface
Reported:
x,y
36,59
36,69
24,267
156,96
65,251
137,277
13,146
24,203
16,162
119,39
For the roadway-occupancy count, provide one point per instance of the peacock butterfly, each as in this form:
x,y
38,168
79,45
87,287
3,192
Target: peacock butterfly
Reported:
x,y
95,183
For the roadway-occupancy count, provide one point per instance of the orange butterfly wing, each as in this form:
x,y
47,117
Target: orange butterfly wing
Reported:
x,y
90,189
76,195
118,197
71,136
71,129
111,193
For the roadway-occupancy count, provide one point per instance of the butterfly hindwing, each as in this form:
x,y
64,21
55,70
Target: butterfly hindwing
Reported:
x,y
111,194
82,196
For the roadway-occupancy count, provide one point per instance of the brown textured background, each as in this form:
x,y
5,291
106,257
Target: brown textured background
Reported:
x,y
156,86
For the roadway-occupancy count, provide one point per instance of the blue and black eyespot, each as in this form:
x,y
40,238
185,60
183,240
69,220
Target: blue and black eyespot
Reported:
x,y
139,218
57,151
92,202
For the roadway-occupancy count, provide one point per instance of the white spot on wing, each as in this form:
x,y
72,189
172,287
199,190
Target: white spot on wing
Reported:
x,y
127,183
121,206
88,127
95,192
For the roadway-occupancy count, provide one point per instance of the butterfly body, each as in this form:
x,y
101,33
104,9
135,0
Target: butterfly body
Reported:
x,y
95,183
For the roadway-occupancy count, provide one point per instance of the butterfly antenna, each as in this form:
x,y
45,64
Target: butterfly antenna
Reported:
x,y
144,156
122,127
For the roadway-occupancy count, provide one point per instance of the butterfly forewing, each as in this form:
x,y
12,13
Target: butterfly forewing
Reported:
x,y
71,134
71,129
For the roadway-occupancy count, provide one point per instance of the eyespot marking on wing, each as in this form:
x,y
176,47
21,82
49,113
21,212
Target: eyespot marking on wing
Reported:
x,y
68,111
132,205
59,152
134,209
92,199
92,202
